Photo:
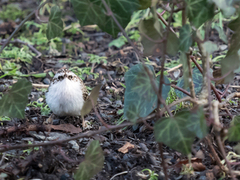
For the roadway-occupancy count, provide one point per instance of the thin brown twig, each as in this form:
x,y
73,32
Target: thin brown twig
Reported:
x,y
165,22
163,161
20,25
180,89
163,63
6,147
98,115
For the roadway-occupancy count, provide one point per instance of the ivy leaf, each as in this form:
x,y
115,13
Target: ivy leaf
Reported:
x,y
140,99
197,81
234,130
93,162
221,33
174,133
178,132
183,60
197,123
151,37
172,44
185,37
231,61
55,23
199,11
14,102
93,12
209,47
87,106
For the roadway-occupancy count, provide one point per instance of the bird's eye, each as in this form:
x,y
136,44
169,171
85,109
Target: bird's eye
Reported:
x,y
60,78
70,77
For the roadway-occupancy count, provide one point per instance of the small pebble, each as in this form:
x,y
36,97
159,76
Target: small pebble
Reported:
x,y
46,81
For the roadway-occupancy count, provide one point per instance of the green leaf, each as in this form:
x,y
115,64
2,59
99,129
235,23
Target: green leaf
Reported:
x,y
144,4
55,23
174,133
197,81
197,123
234,130
140,99
226,7
185,38
93,12
221,33
179,131
209,47
185,77
231,61
199,11
93,162
151,39
172,44
14,102
87,107
119,42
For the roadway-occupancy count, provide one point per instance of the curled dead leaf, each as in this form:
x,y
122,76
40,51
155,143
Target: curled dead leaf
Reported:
x,y
126,147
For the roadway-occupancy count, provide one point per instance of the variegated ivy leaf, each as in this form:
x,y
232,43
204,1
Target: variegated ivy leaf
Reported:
x,y
93,162
14,102
197,81
178,132
93,12
55,23
140,99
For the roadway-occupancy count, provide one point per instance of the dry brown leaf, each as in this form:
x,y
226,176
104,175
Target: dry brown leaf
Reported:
x,y
196,164
67,128
126,147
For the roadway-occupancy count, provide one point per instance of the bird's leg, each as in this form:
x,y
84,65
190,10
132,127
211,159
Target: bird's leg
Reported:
x,y
83,122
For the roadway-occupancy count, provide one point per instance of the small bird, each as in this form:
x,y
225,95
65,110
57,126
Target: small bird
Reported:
x,y
66,94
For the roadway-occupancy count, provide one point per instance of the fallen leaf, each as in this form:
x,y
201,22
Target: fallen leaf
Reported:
x,y
67,128
126,147
196,164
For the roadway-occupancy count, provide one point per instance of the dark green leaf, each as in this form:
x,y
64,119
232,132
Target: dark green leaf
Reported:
x,y
185,78
199,11
197,123
87,107
93,162
197,81
93,12
140,99
172,44
179,131
14,102
144,4
232,61
174,133
55,23
234,130
185,38
151,36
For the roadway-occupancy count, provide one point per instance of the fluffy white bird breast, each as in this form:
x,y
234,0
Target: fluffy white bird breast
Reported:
x,y
65,96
